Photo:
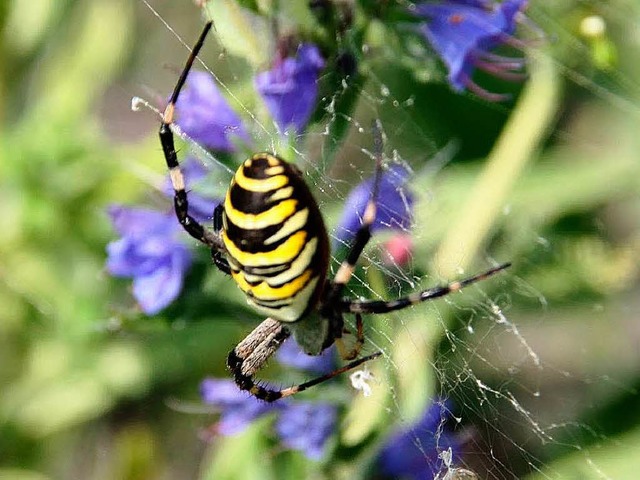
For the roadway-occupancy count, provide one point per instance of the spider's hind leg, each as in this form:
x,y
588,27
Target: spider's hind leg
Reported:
x,y
253,352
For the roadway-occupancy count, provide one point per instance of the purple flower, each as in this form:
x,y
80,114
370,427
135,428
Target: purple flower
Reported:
x,y
415,452
300,426
290,88
238,409
306,427
303,426
150,252
291,355
205,116
464,32
200,207
394,204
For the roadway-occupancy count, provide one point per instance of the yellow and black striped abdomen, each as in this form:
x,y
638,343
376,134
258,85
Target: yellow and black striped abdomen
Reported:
x,y
275,238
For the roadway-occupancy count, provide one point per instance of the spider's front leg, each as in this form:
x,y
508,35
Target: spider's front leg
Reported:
x,y
180,200
217,255
363,234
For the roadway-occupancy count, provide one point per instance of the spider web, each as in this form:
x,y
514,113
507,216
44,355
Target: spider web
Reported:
x,y
496,352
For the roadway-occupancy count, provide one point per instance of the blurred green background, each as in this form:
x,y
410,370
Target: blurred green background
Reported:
x,y
91,389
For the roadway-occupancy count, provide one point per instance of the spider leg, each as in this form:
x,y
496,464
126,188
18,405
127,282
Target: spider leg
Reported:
x,y
381,306
217,256
219,261
311,383
344,273
355,350
253,352
180,201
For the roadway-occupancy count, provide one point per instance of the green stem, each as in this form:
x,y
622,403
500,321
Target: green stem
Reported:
x,y
522,135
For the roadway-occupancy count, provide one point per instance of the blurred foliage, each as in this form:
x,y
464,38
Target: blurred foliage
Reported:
x,y
92,389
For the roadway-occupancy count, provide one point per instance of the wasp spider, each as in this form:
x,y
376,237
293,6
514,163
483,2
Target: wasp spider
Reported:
x,y
270,237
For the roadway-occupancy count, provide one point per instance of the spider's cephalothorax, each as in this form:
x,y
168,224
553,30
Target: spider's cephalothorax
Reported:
x,y
270,237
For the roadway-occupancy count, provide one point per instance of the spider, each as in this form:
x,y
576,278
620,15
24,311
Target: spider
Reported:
x,y
269,236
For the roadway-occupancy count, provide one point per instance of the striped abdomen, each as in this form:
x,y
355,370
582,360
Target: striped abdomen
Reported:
x,y
275,238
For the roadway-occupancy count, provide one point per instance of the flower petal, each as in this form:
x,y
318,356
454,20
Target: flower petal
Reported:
x,y
238,409
150,252
205,116
124,260
157,289
136,221
394,204
306,427
460,31
290,88
414,452
291,355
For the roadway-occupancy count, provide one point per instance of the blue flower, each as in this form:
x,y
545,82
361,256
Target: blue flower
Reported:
x,y
200,207
464,32
238,409
303,426
394,204
150,252
291,355
290,88
205,116
415,452
306,427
